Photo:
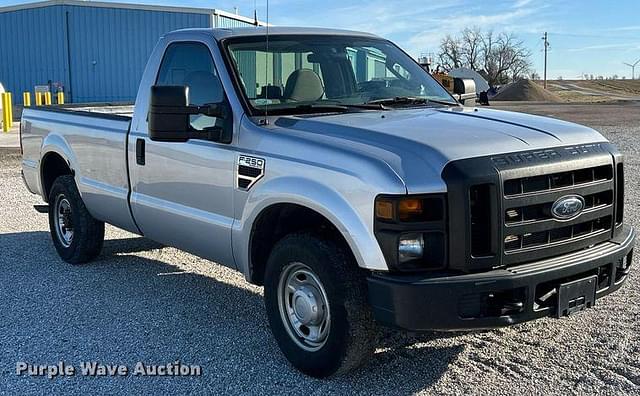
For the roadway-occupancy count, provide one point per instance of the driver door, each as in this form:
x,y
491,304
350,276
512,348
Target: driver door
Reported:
x,y
182,191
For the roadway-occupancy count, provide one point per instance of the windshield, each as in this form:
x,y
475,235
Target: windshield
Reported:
x,y
319,71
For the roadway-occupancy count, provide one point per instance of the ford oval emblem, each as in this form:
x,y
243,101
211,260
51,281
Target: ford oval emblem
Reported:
x,y
567,207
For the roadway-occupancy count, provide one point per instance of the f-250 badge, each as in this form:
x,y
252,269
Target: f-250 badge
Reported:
x,y
249,170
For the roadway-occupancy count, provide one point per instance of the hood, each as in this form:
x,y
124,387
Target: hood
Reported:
x,y
415,142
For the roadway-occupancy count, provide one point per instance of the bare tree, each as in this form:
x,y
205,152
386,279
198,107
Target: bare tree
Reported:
x,y
471,42
520,69
450,53
502,56
505,57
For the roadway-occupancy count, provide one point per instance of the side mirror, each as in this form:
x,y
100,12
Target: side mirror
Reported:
x,y
168,120
463,86
464,89
169,115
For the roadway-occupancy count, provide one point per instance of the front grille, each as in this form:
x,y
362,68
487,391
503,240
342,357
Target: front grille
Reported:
x,y
500,207
557,180
620,194
543,211
530,230
557,235
480,214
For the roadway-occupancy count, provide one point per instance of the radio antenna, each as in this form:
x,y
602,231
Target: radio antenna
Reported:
x,y
266,71
255,14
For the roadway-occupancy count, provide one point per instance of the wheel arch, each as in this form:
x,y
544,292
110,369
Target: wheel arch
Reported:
x,y
306,205
279,220
56,159
53,165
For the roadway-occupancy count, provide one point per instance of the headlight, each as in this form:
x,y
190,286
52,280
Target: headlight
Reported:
x,y
411,231
410,247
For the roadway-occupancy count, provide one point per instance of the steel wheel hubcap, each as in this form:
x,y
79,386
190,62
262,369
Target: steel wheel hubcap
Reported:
x,y
304,306
63,221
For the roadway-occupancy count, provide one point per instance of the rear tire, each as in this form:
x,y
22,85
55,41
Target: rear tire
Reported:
x,y
76,235
317,305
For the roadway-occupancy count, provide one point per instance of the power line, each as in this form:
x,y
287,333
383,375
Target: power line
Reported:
x,y
546,47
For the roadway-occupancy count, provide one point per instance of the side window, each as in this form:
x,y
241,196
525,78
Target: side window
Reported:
x,y
190,64
280,76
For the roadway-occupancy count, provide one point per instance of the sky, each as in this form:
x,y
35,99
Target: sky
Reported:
x,y
586,37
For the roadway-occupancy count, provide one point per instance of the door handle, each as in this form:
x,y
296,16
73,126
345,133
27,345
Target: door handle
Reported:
x,y
140,152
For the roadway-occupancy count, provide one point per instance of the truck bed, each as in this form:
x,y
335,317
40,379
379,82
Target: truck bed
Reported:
x,y
94,141
121,110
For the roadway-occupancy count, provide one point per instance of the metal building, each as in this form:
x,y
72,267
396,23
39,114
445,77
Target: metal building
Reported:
x,y
95,52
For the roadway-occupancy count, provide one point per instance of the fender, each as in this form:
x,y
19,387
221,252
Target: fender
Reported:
x,y
329,203
54,143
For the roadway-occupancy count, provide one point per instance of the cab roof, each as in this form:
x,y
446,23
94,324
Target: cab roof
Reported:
x,y
223,33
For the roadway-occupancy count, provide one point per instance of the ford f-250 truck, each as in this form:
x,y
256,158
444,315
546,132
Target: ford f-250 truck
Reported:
x,y
329,167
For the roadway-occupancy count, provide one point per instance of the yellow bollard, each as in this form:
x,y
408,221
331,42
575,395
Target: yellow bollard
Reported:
x,y
60,98
26,99
10,103
38,98
47,98
5,122
6,111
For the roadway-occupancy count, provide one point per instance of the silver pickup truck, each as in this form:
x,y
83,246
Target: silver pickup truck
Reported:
x,y
329,167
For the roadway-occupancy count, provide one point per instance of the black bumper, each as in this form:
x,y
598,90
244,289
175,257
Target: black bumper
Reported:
x,y
499,297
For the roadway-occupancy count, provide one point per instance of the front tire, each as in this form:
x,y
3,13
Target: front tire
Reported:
x,y
77,236
316,302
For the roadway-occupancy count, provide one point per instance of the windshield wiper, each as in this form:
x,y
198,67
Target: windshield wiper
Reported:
x,y
409,100
368,106
443,102
321,108
335,108
310,108
363,106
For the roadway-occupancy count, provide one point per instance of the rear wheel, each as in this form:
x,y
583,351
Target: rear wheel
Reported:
x,y
316,302
77,236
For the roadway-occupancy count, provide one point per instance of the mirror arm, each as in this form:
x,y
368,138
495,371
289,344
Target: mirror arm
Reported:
x,y
218,110
210,133
185,110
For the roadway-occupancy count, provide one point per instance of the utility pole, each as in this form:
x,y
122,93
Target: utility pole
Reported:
x,y
633,68
546,45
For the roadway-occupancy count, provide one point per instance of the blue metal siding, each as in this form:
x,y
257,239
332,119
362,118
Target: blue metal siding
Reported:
x,y
32,49
224,22
110,47
103,57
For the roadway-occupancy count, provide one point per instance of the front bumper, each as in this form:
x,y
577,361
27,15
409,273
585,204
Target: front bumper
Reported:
x,y
499,297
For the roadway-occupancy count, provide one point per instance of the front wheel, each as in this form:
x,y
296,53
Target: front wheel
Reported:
x,y
77,236
316,302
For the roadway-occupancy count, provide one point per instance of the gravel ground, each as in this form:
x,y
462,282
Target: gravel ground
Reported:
x,y
142,302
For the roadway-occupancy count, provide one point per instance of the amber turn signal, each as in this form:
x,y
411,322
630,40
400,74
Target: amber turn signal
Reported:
x,y
409,209
384,210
